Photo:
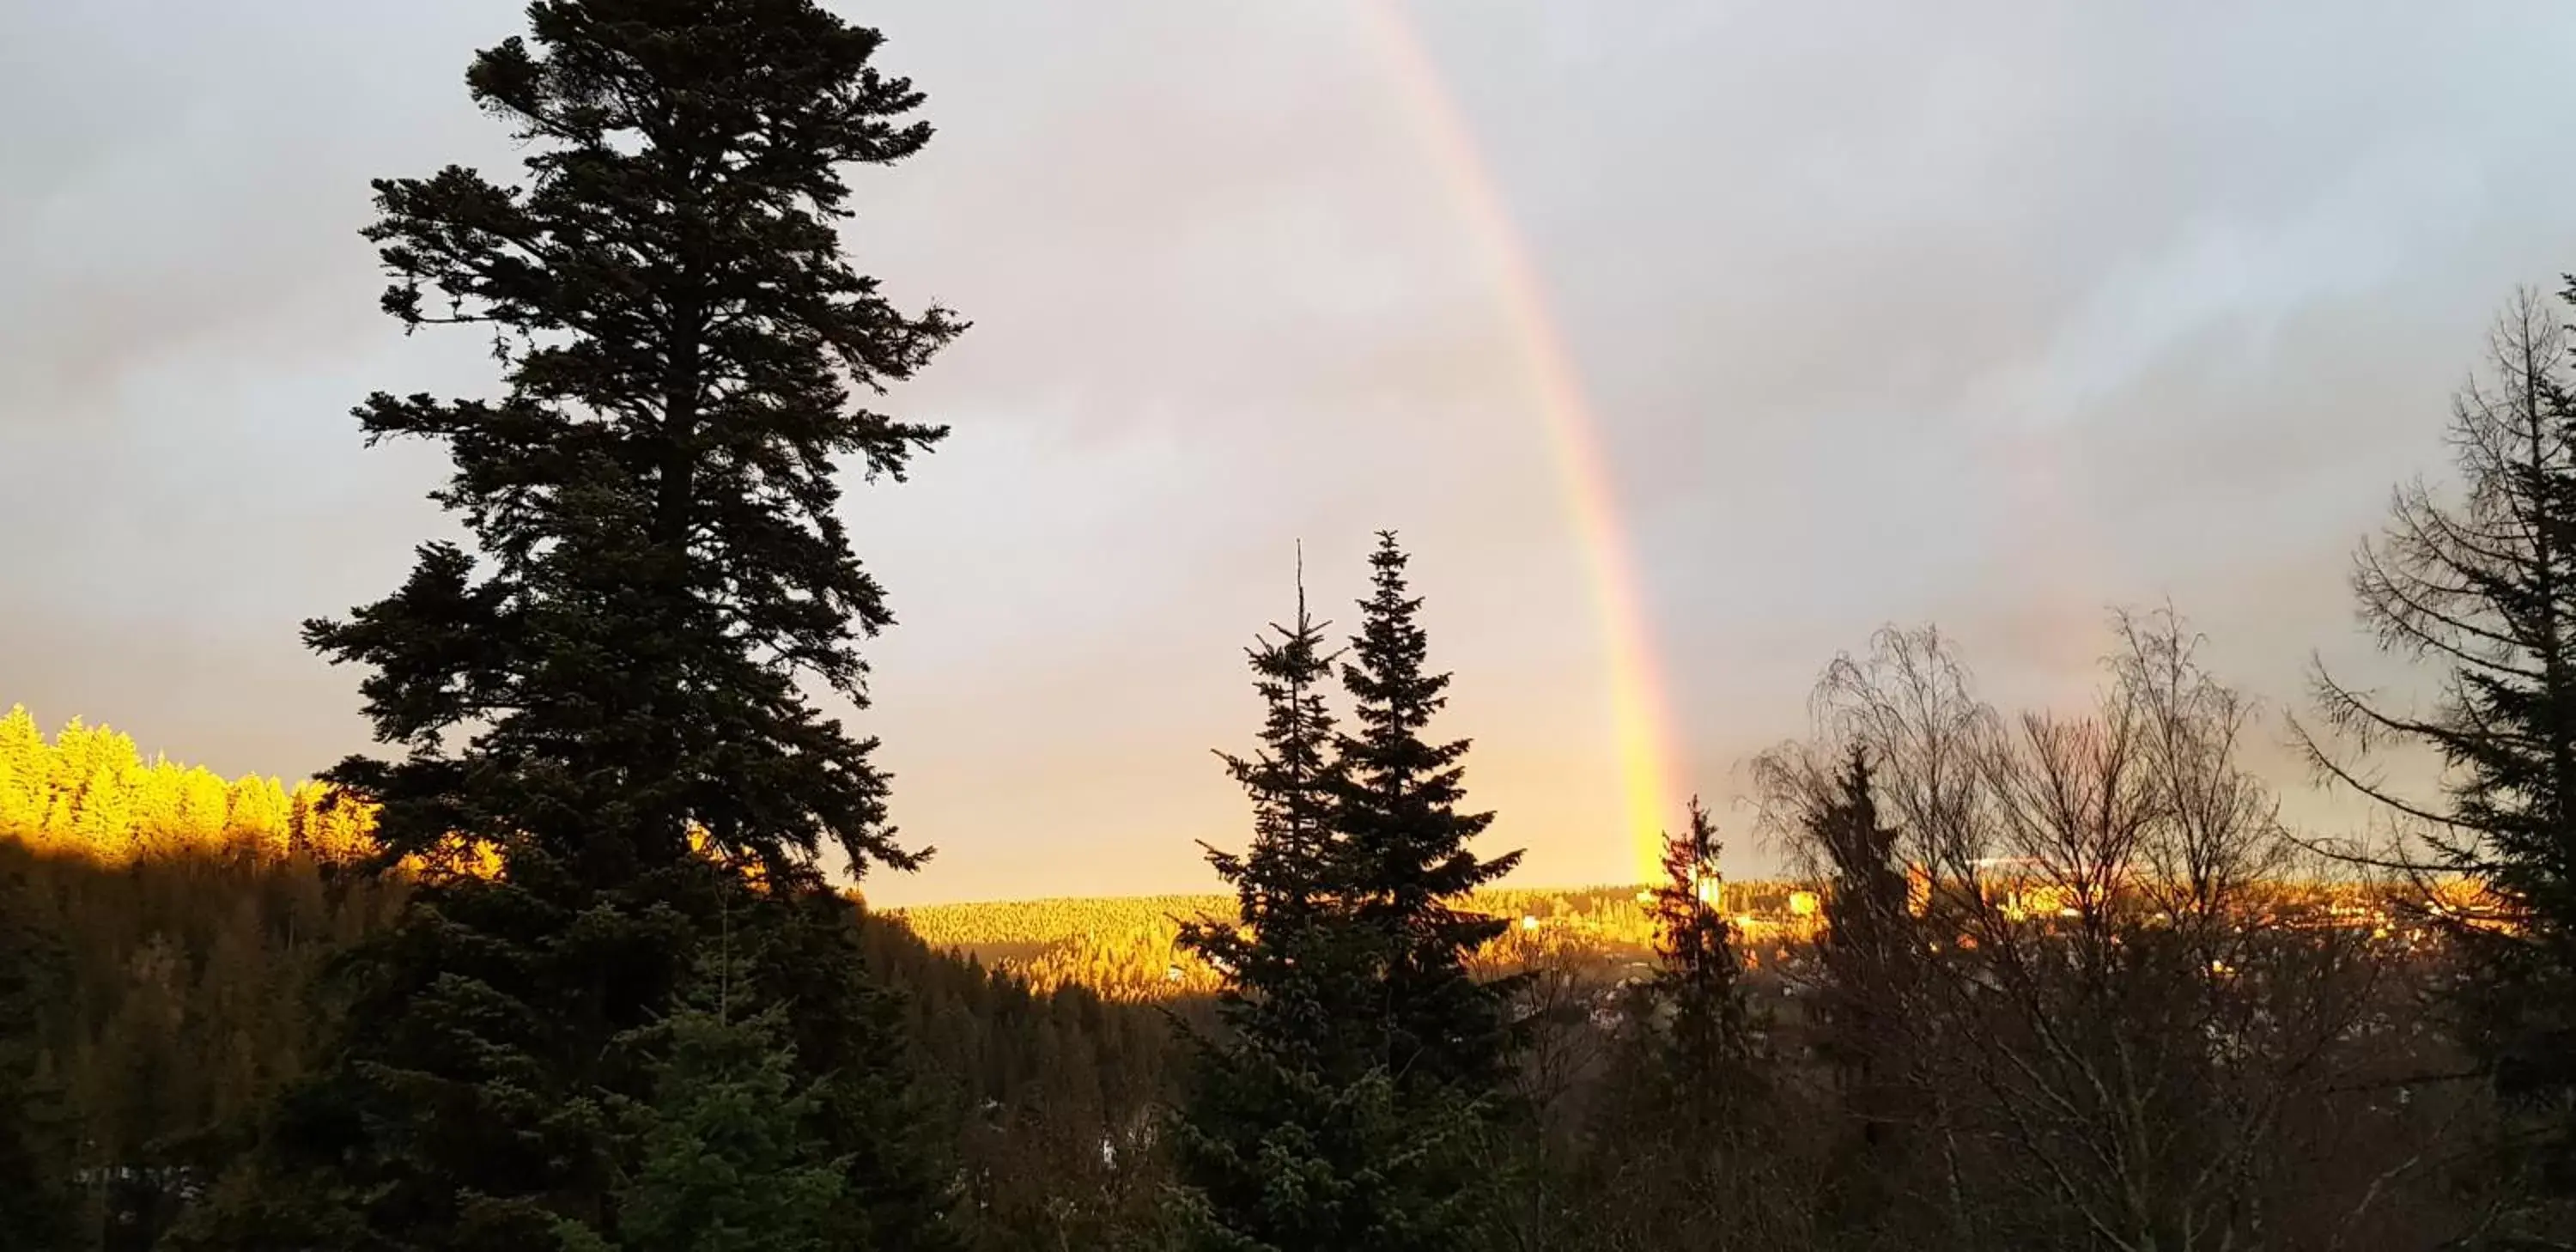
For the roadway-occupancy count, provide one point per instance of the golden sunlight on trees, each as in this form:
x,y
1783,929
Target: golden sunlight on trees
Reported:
x,y
89,792
1126,947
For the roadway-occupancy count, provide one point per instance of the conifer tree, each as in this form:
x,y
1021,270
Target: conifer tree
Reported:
x,y
2482,586
1294,1135
1288,962
1410,865
1683,1152
1865,948
1695,981
1866,995
255,814
729,1164
729,1159
26,774
618,662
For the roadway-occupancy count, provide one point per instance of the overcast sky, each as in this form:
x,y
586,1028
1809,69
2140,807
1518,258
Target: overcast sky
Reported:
x,y
1984,314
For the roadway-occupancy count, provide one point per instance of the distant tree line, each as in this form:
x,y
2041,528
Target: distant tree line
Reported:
x,y
156,1004
88,791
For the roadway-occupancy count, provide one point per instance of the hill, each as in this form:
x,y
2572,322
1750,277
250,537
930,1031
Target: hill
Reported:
x,y
1125,947
175,992
90,793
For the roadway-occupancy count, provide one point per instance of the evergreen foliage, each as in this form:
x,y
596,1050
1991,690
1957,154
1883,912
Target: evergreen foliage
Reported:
x,y
1867,940
728,1160
603,693
89,792
1292,965
1278,1155
1711,1045
1685,1149
652,500
1349,1104
2482,586
1407,842
170,1009
1278,1143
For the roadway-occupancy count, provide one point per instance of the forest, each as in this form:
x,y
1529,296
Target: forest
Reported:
x,y
579,956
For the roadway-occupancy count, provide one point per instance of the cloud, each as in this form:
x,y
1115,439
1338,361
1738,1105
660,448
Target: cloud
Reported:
x,y
1894,312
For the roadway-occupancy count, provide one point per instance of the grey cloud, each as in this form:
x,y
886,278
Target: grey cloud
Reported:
x,y
1975,312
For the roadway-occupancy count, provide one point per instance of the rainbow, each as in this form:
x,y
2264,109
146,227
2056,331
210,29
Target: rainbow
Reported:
x,y
1641,727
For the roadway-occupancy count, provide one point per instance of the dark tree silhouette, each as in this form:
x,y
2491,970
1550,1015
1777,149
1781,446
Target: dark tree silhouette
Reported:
x,y
1685,1148
1296,1134
612,672
1288,963
40,1208
1711,1043
1407,843
2481,585
1865,949
659,561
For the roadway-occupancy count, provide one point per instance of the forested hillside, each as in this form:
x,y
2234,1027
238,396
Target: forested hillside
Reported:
x,y
177,994
1128,947
173,993
89,791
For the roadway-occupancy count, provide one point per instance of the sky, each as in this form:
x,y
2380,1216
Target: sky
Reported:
x,y
1986,315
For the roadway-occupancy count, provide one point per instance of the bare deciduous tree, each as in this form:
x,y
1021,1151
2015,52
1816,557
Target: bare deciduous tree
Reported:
x,y
2115,1023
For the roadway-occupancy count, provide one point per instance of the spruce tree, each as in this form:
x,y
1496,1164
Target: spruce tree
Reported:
x,y
617,664
1406,842
1866,945
1294,1135
728,1158
2481,585
1694,984
1289,958
1865,1005
26,775
1254,1092
729,1163
1684,1153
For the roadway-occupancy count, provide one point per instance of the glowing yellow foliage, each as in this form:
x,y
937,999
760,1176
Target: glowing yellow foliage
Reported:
x,y
1126,948
88,792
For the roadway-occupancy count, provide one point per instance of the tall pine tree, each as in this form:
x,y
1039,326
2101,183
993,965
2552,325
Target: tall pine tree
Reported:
x,y
1865,951
1295,1135
617,665
1409,864
1684,1153
1695,980
1289,962
2481,585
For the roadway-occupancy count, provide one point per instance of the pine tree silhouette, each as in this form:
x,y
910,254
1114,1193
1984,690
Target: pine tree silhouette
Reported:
x,y
615,668
1696,982
1867,944
1298,1131
1406,842
2480,585
1291,962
